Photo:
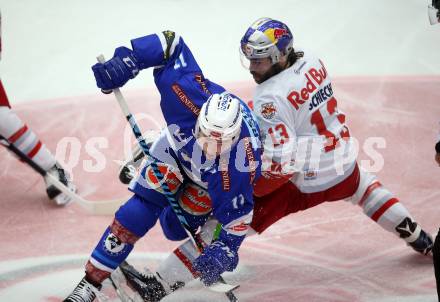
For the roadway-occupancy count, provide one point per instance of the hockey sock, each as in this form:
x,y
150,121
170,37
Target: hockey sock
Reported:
x,y
113,248
18,134
380,205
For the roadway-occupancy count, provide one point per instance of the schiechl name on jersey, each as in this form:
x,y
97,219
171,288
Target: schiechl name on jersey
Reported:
x,y
321,96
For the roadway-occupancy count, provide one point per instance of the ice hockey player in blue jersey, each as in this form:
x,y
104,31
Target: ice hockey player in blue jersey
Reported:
x,y
211,143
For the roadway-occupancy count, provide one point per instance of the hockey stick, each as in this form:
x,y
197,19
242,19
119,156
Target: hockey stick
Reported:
x,y
221,285
94,207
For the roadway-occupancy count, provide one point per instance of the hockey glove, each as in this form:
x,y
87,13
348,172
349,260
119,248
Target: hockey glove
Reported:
x,y
215,260
117,71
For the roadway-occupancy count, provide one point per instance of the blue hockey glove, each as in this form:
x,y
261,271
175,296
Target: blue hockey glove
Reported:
x,y
215,260
117,71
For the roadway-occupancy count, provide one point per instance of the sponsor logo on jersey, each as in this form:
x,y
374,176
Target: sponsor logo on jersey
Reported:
x,y
195,200
226,180
202,82
251,159
239,226
168,176
321,96
185,99
310,175
315,77
268,110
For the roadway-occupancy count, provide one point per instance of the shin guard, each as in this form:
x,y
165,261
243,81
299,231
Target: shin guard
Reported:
x,y
113,248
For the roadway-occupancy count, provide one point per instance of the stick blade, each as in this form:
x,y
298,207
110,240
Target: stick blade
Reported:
x,y
221,287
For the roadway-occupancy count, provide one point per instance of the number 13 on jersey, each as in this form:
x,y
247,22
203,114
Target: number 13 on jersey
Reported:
x,y
329,113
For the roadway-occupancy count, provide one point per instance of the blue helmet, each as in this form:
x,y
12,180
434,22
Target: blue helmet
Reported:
x,y
267,38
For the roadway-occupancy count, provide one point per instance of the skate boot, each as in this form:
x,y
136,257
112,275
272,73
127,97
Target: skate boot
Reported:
x,y
149,286
53,192
417,238
83,292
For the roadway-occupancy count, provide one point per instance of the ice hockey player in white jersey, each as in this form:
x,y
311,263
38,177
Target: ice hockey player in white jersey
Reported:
x,y
308,155
24,139
307,141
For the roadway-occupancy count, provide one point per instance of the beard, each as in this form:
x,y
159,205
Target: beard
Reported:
x,y
273,70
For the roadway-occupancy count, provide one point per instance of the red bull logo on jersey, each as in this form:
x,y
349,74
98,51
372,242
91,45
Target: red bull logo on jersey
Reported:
x,y
315,77
268,110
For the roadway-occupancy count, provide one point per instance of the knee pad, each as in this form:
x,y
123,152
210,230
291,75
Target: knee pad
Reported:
x,y
138,215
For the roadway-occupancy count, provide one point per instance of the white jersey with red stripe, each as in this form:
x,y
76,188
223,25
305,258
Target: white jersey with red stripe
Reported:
x,y
302,128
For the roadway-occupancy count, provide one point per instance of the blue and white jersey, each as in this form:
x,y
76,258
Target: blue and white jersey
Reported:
x,y
183,88
178,77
